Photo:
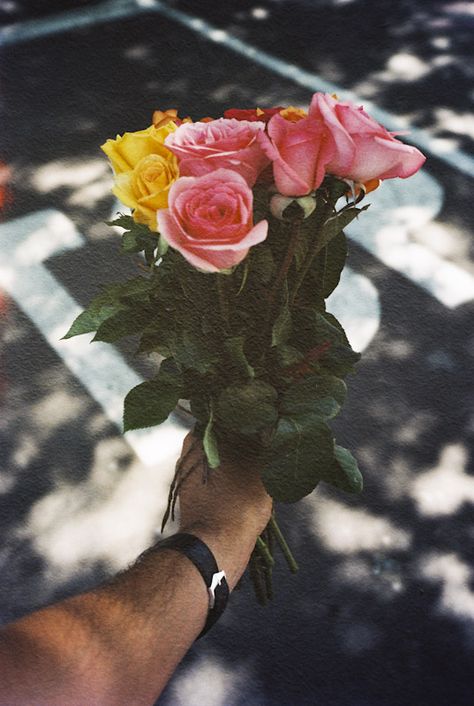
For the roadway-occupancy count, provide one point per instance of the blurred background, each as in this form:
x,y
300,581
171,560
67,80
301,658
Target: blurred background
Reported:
x,y
382,610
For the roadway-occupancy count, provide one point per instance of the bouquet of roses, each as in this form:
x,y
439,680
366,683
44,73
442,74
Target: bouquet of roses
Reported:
x,y
240,221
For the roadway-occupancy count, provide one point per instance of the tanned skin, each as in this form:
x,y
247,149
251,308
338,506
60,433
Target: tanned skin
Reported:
x,y
118,644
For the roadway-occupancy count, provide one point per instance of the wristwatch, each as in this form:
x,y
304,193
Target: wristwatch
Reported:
x,y
203,559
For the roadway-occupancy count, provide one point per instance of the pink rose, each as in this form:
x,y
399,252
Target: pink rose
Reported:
x,y
210,220
224,143
339,139
300,152
376,153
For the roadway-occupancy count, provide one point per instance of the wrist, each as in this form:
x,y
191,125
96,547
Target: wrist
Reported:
x,y
231,547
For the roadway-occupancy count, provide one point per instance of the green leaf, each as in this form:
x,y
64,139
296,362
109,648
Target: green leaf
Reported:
x,y
89,320
262,264
137,237
123,221
209,443
135,289
238,360
336,187
330,264
301,249
313,329
335,224
108,303
319,395
153,401
125,322
331,319
99,309
344,472
287,356
130,243
247,408
301,451
191,351
281,329
159,336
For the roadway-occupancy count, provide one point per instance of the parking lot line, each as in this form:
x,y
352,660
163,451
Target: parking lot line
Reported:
x,y
24,245
118,9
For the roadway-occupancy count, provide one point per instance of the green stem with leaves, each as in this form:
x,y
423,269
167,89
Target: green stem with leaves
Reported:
x,y
291,561
287,260
283,271
264,551
319,244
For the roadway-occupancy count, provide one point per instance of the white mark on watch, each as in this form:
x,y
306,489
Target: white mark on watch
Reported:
x,y
216,581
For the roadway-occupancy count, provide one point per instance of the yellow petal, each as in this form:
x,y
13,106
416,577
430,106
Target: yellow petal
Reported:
x,y
119,164
155,201
145,215
123,189
127,150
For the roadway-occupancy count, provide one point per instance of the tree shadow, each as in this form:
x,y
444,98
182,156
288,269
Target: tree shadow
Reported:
x,y
380,612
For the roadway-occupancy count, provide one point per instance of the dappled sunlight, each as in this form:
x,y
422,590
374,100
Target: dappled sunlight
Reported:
x,y
443,489
110,516
37,237
70,173
397,214
459,123
385,586
86,182
89,195
418,423
347,530
67,173
26,448
455,577
447,240
405,67
381,576
212,682
355,303
54,410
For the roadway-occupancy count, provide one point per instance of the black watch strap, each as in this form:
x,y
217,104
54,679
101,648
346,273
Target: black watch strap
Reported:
x,y
203,559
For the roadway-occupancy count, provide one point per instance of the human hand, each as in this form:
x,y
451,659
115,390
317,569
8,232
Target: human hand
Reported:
x,y
228,511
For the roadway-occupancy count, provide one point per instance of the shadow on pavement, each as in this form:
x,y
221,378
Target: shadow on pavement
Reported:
x,y
382,611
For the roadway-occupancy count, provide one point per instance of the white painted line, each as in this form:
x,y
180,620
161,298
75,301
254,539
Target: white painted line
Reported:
x,y
79,18
388,230
27,242
24,244
117,9
355,303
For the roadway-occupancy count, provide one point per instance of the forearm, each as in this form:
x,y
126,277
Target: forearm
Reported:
x,y
119,643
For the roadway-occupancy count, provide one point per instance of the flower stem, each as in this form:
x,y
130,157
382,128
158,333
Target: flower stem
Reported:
x,y
265,552
319,244
255,572
283,545
286,263
223,300
282,273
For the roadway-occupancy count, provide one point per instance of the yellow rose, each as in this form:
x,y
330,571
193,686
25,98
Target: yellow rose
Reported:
x,y
144,170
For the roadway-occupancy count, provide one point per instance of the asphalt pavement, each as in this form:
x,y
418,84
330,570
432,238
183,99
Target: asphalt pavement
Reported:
x,y
382,610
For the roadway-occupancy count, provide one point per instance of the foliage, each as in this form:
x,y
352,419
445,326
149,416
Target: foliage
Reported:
x,y
254,350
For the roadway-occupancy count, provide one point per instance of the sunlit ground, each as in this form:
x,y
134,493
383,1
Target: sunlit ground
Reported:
x,y
78,501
